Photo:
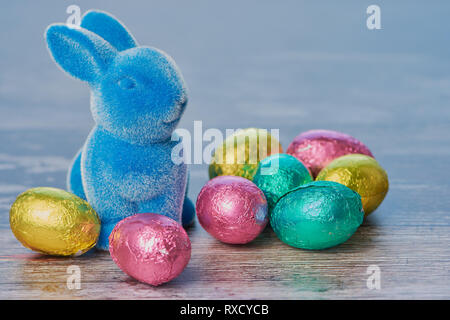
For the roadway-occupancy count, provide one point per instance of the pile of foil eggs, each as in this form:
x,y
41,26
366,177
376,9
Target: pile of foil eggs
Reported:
x,y
315,195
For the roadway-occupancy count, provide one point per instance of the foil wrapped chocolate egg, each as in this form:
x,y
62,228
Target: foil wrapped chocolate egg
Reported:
x,y
232,209
241,152
150,247
279,173
54,222
317,148
362,174
317,215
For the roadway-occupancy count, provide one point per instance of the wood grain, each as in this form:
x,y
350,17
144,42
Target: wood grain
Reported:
x,y
413,260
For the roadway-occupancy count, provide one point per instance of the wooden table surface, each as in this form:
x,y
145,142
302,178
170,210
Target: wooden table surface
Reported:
x,y
293,67
407,238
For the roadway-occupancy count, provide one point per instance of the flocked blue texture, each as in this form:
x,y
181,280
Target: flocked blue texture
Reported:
x,y
74,181
76,187
188,216
137,98
109,28
188,213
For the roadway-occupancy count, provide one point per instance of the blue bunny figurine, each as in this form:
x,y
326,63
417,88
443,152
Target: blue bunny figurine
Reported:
x,y
137,98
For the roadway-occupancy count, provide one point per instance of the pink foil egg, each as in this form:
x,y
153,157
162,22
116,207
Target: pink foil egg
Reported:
x,y
317,148
232,209
149,247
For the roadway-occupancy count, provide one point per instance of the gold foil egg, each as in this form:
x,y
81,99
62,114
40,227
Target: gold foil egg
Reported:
x,y
53,221
241,152
362,174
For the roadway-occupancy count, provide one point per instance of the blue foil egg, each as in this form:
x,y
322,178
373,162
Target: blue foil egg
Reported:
x,y
279,173
317,215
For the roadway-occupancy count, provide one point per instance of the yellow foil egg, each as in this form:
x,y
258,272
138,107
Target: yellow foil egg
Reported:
x,y
53,221
241,152
362,174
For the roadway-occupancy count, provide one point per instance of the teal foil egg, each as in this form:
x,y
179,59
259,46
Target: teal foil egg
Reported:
x,y
317,215
279,173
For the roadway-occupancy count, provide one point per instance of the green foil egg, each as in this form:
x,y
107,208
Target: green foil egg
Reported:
x,y
317,215
279,173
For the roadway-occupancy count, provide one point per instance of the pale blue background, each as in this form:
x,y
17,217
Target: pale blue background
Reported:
x,y
292,65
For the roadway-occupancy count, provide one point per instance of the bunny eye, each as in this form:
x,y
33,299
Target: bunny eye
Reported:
x,y
127,83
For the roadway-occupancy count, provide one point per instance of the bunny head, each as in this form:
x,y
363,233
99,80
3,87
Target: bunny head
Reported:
x,y
138,93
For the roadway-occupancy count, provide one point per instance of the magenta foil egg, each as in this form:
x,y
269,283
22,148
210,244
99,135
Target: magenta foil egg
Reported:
x,y
317,148
232,209
149,247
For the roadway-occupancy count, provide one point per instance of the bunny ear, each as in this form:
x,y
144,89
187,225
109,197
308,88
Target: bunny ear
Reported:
x,y
80,52
109,28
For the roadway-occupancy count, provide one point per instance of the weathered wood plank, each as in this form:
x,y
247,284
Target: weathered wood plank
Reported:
x,y
411,267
